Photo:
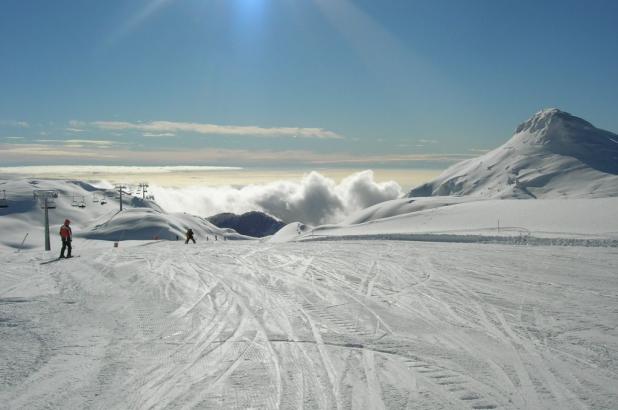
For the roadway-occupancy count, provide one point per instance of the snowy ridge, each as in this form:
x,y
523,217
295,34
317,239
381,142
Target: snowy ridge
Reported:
x,y
552,155
140,219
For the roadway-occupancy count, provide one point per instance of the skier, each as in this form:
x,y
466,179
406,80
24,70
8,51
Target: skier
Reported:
x,y
66,235
189,236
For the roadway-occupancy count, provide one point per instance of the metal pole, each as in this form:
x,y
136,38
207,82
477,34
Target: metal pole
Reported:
x,y
121,197
47,244
22,242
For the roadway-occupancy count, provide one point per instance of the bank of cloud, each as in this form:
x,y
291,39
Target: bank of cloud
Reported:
x,y
170,128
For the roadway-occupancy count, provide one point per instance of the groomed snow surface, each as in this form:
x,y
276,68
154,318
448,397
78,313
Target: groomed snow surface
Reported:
x,y
314,325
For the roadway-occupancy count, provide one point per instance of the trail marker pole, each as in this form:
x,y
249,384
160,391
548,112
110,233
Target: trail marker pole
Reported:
x,y
47,244
22,242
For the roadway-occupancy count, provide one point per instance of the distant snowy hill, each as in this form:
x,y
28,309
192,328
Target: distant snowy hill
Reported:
x,y
554,154
463,219
256,224
98,218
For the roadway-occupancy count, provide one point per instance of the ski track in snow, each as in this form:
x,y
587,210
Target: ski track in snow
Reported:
x,y
321,325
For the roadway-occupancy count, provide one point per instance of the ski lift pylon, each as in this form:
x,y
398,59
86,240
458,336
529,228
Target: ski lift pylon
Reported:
x,y
3,201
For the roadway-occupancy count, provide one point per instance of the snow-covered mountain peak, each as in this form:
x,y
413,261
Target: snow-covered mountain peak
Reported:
x,y
544,118
552,126
552,154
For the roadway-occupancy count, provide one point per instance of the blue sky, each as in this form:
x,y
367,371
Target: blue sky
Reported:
x,y
399,83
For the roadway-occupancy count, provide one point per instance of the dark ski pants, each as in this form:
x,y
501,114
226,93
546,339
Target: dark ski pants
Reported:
x,y
66,244
189,239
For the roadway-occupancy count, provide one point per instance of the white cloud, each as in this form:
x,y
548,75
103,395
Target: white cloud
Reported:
x,y
315,199
81,142
158,135
17,124
161,127
92,142
30,151
103,149
106,170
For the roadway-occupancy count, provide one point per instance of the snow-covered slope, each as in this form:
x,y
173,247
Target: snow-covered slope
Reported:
x,y
552,155
337,325
140,219
492,219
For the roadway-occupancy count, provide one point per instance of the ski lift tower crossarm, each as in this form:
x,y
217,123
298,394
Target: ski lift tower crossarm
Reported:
x,y
46,196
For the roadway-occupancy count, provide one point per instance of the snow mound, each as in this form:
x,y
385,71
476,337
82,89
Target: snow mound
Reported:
x,y
145,223
553,154
289,233
402,206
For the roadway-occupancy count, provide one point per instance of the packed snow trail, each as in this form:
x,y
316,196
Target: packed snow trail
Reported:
x,y
328,325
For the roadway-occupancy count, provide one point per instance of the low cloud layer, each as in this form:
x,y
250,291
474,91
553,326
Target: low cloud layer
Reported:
x,y
93,170
169,128
314,200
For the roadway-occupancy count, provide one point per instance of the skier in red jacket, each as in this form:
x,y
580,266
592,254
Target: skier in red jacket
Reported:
x,y
66,235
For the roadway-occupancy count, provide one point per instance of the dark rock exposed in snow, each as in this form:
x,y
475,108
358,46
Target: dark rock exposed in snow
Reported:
x,y
256,224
